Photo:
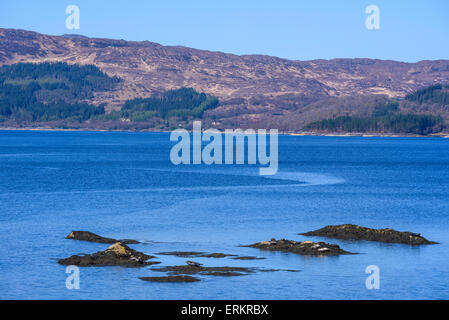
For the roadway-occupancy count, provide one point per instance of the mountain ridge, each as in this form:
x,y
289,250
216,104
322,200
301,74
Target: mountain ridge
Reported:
x,y
253,89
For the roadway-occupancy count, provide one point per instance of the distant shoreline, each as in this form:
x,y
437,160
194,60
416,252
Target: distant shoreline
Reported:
x,y
305,134
370,135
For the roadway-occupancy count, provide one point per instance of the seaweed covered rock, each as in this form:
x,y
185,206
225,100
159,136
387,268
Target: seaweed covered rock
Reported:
x,y
119,254
92,237
354,232
303,248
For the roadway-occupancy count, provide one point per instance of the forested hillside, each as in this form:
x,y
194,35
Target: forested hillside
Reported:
x,y
422,112
182,103
51,91
60,94
438,94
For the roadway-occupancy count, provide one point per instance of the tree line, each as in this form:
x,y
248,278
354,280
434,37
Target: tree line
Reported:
x,y
56,91
385,118
396,123
437,93
182,103
51,91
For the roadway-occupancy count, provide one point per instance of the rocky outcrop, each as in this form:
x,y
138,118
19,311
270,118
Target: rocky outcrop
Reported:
x,y
354,232
119,254
308,248
92,237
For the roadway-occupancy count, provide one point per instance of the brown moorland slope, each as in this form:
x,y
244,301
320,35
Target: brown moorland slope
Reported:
x,y
253,89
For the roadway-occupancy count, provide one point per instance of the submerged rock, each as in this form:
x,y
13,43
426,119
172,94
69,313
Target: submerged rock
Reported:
x,y
196,268
119,254
248,258
277,270
210,271
223,273
216,255
354,232
194,264
182,254
303,248
170,279
191,254
92,237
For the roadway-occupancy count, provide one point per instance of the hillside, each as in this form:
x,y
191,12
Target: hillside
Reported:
x,y
51,91
57,95
423,112
254,90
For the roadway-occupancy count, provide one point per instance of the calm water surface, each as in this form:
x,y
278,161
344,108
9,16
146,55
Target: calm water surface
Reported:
x,y
122,185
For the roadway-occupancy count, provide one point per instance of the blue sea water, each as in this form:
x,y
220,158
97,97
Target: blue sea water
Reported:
x,y
122,185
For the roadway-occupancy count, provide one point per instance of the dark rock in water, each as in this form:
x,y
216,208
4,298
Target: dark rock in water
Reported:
x,y
303,248
189,269
248,258
128,241
191,254
213,271
194,264
182,254
354,232
119,254
216,255
223,273
277,270
92,237
170,279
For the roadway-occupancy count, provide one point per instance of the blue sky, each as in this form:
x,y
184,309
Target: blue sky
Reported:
x,y
295,29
